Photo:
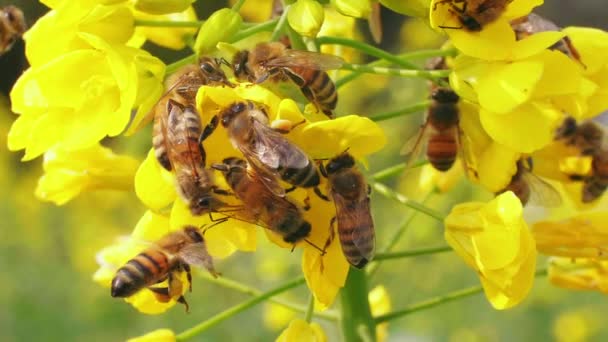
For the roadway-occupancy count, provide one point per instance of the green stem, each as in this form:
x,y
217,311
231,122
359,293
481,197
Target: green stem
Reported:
x,y
329,315
424,54
428,74
250,31
280,28
310,309
395,170
415,108
412,253
386,191
201,327
237,6
173,67
356,320
295,39
392,242
429,303
168,23
367,49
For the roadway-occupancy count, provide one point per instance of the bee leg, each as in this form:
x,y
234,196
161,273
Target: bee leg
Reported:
x,y
293,187
222,192
306,204
211,126
332,234
188,276
182,300
161,294
320,194
322,170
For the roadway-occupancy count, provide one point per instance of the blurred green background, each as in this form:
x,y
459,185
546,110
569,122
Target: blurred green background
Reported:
x,y
47,253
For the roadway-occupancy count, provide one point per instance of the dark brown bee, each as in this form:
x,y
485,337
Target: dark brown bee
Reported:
x,y
12,27
473,15
173,253
265,148
182,88
306,69
534,23
194,181
441,131
529,188
263,207
595,185
587,137
350,193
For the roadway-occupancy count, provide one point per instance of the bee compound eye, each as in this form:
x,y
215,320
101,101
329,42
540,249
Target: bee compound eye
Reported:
x,y
239,107
204,202
207,67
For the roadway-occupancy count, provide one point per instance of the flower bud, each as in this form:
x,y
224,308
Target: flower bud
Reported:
x,y
418,8
306,17
220,26
353,8
162,6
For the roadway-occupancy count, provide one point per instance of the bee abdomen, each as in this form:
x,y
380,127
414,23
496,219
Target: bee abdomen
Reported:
x,y
159,144
143,270
307,177
300,233
359,254
593,189
441,151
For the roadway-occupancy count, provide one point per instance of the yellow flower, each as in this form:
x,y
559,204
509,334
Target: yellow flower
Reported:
x,y
159,335
301,331
68,173
380,304
496,40
277,316
78,98
219,27
579,274
418,8
255,11
353,8
162,6
592,45
582,236
169,37
306,17
494,240
60,31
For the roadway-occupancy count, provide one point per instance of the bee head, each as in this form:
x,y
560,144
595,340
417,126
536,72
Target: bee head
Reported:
x,y
341,162
211,70
193,233
239,65
444,95
204,204
470,23
567,129
230,113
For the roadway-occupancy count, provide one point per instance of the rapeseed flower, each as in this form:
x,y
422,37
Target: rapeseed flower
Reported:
x,y
584,235
62,108
306,17
318,137
69,173
219,27
170,37
579,274
475,230
159,335
162,6
301,331
380,304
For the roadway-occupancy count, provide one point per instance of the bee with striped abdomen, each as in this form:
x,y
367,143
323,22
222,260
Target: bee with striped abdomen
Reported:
x,y
530,188
473,15
350,193
306,69
173,253
12,27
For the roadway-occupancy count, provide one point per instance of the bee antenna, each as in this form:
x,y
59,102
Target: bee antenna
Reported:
x,y
215,223
315,246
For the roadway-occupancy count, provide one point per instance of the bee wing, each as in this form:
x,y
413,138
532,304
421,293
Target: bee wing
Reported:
x,y
416,144
196,254
274,150
363,234
541,192
306,59
269,178
469,165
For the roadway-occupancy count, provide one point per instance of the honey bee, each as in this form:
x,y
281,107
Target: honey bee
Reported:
x,y
306,69
194,181
183,86
350,193
473,15
12,27
441,131
534,23
263,207
530,188
588,136
172,254
595,185
265,148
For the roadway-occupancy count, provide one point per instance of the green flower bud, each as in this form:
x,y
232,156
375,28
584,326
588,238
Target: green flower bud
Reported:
x,y
220,27
162,6
353,8
306,17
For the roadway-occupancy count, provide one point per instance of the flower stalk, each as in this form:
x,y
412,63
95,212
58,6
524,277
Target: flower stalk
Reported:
x,y
390,193
356,321
413,109
412,253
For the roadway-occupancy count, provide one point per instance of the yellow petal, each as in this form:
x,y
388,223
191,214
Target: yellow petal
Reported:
x,y
353,8
169,37
219,27
301,331
306,17
159,335
154,185
162,6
